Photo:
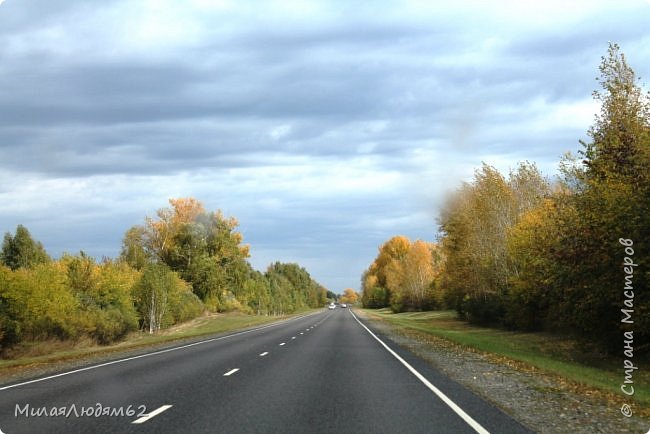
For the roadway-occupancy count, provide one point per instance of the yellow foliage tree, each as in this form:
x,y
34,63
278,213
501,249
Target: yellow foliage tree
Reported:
x,y
418,271
349,296
402,275
161,232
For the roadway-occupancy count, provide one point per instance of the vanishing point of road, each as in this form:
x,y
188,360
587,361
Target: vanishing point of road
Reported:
x,y
325,372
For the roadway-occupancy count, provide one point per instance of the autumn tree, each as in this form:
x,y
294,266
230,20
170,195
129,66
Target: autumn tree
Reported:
x,y
419,269
160,232
534,245
167,268
373,295
349,296
381,282
402,275
543,259
103,292
474,225
203,247
39,303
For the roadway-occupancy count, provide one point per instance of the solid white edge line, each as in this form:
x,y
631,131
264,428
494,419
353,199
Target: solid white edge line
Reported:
x,y
148,416
459,411
229,373
113,362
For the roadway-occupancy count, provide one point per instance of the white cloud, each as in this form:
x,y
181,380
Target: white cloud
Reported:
x,y
325,127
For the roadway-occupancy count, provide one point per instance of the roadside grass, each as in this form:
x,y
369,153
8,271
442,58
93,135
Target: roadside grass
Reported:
x,y
42,353
553,354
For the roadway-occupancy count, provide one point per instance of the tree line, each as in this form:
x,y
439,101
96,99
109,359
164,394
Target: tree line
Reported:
x,y
568,255
174,267
403,276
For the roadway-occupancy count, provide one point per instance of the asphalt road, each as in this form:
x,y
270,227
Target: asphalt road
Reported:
x,y
325,372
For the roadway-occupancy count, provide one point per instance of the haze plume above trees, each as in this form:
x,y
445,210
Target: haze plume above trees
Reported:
x,y
529,254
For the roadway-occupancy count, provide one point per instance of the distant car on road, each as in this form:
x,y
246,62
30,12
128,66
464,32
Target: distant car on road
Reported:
x,y
344,305
331,306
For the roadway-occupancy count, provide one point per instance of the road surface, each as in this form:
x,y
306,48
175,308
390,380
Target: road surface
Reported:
x,y
324,372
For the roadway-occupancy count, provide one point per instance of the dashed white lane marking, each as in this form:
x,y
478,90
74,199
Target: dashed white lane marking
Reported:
x,y
293,337
459,411
283,343
155,353
229,373
154,413
264,354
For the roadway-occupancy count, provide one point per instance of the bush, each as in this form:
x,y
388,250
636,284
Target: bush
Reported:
x,y
377,298
189,306
111,325
488,309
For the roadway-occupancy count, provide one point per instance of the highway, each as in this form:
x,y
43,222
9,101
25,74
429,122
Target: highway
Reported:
x,y
325,372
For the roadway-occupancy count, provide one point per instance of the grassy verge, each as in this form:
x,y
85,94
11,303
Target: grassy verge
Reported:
x,y
38,354
553,354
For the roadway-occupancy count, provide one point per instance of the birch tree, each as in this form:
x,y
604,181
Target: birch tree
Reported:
x,y
152,294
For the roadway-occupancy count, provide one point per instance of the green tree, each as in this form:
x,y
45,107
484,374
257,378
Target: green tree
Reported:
x,y
280,289
258,293
154,293
291,287
612,202
10,326
21,250
134,251
114,311
41,303
203,247
619,138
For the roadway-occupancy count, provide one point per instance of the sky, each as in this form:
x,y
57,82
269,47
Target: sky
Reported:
x,y
324,127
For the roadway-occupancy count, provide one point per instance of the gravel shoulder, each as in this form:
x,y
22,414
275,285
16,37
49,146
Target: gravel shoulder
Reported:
x,y
543,402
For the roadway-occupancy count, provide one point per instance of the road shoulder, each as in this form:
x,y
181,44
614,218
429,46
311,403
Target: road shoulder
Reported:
x,y
542,402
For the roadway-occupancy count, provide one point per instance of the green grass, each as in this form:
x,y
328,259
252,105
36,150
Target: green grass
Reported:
x,y
34,354
553,354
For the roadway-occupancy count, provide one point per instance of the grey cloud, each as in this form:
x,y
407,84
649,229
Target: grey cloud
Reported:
x,y
26,15
423,96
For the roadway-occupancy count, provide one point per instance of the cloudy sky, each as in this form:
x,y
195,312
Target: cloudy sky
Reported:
x,y
325,127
